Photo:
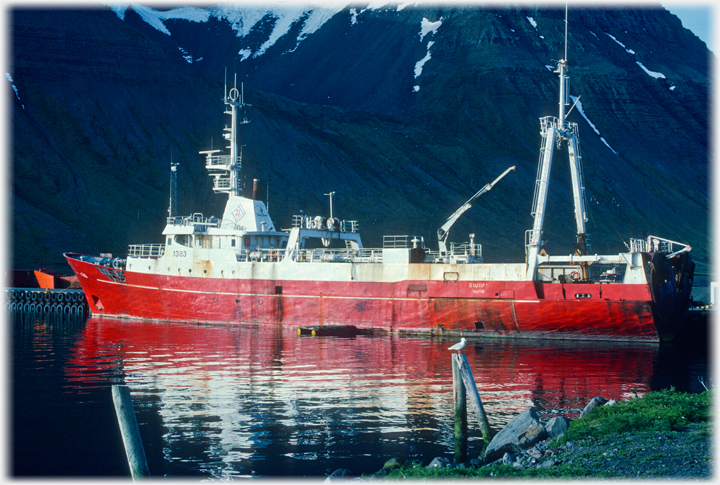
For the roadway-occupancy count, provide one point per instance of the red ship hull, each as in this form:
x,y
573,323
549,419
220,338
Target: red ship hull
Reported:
x,y
502,308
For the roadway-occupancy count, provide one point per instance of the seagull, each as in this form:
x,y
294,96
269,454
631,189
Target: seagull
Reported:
x,y
458,346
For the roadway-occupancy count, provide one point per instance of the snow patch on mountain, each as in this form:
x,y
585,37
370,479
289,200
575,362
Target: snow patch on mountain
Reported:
x,y
9,78
118,8
579,106
156,17
629,51
419,64
188,57
534,24
653,74
243,18
244,54
316,19
284,20
426,27
409,3
656,75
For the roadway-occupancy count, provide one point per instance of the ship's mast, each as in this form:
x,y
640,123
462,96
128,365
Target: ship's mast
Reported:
x,y
226,169
556,131
173,187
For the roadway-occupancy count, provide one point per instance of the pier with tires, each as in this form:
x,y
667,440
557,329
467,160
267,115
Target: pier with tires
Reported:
x,y
36,302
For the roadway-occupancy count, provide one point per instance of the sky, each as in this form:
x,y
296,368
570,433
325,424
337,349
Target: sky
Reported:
x,y
696,17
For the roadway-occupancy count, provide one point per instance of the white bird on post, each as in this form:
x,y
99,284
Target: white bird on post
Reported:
x,y
458,346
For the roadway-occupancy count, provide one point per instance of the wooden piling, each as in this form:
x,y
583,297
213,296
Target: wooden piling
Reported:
x,y
130,432
475,401
460,403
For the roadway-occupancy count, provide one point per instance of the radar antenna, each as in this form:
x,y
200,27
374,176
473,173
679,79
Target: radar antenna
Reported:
x,y
226,169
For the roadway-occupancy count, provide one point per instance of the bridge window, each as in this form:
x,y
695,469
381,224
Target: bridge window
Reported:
x,y
183,240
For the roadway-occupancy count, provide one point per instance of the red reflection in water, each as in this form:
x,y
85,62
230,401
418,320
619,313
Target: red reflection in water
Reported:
x,y
557,377
239,401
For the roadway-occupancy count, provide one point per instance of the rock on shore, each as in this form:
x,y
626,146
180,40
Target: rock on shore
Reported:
x,y
524,443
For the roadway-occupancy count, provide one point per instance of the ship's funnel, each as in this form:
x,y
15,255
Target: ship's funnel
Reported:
x,y
256,189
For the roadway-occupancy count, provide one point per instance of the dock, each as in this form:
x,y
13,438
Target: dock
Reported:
x,y
334,330
38,301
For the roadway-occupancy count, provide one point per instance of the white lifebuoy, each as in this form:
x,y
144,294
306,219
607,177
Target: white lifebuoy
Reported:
x,y
575,276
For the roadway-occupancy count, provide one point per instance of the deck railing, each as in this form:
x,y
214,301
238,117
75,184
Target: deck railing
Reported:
x,y
403,242
319,255
657,245
146,250
196,219
321,223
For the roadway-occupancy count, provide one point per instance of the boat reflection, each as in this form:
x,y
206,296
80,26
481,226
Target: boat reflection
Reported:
x,y
260,400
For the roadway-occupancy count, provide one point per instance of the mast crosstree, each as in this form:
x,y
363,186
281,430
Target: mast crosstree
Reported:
x,y
226,169
556,132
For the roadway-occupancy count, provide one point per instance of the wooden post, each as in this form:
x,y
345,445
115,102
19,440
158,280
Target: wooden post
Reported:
x,y
130,432
469,381
460,413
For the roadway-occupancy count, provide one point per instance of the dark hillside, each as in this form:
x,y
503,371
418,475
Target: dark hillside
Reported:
x,y
104,102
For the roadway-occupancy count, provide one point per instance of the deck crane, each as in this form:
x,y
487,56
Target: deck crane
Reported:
x,y
442,233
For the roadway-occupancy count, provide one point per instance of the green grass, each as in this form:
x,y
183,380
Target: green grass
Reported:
x,y
665,410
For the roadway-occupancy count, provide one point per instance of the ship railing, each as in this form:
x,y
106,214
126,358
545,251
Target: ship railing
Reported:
x,y
221,183
548,122
466,249
431,256
321,223
460,253
318,255
218,162
658,245
261,254
146,250
200,222
532,237
403,242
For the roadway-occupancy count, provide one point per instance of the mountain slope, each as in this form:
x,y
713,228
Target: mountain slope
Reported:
x,y
404,112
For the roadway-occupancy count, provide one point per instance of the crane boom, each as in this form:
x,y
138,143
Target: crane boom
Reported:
x,y
442,233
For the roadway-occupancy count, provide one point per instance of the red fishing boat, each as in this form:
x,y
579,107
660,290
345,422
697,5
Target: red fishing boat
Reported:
x,y
242,269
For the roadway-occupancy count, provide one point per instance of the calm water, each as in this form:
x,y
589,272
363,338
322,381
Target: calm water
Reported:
x,y
221,402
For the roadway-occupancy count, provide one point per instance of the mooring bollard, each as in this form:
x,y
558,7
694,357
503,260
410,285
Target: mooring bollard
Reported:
x,y
130,432
464,370
460,414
